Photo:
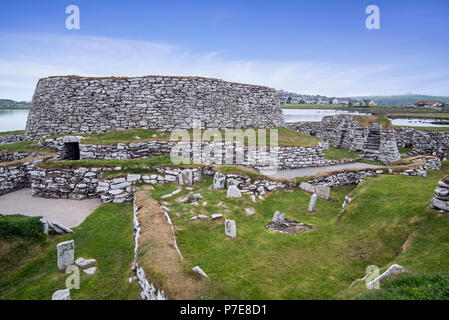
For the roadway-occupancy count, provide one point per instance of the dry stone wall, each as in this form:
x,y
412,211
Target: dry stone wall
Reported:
x,y
70,104
83,183
11,138
286,157
15,175
434,143
343,131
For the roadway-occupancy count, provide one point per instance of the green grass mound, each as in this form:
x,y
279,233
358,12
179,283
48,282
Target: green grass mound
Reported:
x,y
7,133
340,154
25,147
412,287
19,225
286,137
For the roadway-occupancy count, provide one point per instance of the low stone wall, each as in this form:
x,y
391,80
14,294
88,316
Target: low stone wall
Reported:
x,y
344,131
211,152
433,143
355,176
12,138
430,163
82,183
15,175
119,189
257,187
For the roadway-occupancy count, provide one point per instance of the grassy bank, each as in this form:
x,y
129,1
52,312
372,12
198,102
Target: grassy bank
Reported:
x,y
286,137
388,221
28,269
7,133
25,147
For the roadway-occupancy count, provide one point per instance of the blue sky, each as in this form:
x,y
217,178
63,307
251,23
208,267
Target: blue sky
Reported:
x,y
314,47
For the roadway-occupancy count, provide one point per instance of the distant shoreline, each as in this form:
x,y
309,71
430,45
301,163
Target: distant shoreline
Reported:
x,y
14,108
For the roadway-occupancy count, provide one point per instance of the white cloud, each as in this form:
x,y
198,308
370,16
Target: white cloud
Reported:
x,y
26,58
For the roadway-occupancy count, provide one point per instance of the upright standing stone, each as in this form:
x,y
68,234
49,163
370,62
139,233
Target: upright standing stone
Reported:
x,y
66,254
312,203
186,177
230,228
219,181
278,218
234,192
323,192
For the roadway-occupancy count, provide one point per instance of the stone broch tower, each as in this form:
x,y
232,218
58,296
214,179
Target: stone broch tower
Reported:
x,y
72,104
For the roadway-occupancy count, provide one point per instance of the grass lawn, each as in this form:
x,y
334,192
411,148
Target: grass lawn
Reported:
x,y
6,133
404,150
286,137
28,268
431,115
25,147
388,221
340,154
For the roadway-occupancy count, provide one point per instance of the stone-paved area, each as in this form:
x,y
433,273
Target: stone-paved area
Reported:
x,y
70,213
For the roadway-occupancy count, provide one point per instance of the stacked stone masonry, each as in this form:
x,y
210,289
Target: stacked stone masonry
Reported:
x,y
441,199
280,157
11,138
433,143
343,131
16,175
354,177
70,104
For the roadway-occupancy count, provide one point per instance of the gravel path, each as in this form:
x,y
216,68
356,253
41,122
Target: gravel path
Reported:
x,y
68,212
303,172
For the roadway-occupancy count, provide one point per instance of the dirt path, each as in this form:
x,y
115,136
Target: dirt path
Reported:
x,y
70,213
304,172
158,256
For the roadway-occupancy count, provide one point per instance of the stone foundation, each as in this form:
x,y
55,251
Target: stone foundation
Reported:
x,y
434,143
12,138
343,131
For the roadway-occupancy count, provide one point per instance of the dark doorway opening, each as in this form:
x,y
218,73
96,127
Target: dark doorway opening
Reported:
x,y
71,151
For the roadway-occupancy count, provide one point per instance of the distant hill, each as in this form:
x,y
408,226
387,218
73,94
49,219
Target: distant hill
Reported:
x,y
405,99
12,103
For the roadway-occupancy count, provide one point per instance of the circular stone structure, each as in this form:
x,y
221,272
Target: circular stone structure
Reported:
x,y
73,104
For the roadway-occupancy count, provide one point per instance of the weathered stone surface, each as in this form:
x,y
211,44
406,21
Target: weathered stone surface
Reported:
x,y
394,270
153,102
278,218
65,254
234,192
323,192
439,204
230,228
312,203
61,295
91,270
250,211
85,263
343,131
216,216
307,187
200,271
186,177
219,181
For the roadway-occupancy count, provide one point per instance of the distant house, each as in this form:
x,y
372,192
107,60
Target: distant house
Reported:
x,y
372,103
334,101
344,102
429,104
